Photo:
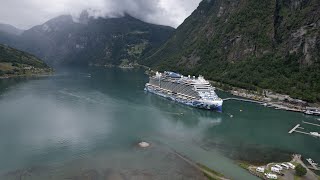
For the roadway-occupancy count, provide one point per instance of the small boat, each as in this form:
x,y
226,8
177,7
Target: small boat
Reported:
x,y
315,134
312,111
310,161
308,112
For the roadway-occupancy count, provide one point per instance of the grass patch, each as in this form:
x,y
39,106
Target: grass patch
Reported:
x,y
296,177
137,49
244,165
210,170
4,66
209,177
295,163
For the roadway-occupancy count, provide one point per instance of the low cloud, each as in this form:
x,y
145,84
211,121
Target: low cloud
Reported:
x,y
27,13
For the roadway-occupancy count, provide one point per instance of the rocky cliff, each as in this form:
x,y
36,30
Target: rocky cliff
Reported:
x,y
252,44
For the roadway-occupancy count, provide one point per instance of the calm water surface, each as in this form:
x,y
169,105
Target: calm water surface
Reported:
x,y
86,123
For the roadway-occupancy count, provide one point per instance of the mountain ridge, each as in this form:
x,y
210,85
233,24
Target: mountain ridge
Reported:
x,y
7,28
102,41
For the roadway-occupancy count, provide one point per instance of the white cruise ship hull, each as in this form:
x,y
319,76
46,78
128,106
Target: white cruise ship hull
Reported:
x,y
215,105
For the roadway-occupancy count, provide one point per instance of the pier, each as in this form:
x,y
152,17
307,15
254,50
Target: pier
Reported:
x,y
293,129
311,167
245,100
302,132
311,123
278,107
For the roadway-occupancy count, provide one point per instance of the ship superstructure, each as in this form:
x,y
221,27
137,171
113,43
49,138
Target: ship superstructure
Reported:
x,y
196,92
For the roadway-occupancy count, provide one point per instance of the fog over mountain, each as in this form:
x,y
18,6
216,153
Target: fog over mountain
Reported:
x,y
27,13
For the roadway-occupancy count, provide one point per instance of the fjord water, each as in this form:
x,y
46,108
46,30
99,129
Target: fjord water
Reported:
x,y
87,122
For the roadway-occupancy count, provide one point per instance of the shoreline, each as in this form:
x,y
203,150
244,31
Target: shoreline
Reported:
x,y
26,75
209,173
267,98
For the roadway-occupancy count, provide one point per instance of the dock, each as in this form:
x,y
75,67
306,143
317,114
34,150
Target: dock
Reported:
x,y
311,167
302,132
245,100
294,129
311,123
278,107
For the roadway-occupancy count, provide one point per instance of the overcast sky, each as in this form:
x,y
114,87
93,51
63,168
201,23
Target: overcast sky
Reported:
x,y
27,13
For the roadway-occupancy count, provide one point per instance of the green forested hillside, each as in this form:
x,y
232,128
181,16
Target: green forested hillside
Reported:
x,y
15,62
251,44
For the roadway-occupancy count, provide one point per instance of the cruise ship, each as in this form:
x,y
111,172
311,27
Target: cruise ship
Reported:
x,y
192,91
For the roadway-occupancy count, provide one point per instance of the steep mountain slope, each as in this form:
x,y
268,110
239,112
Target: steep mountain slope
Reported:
x,y
10,39
251,44
15,62
61,41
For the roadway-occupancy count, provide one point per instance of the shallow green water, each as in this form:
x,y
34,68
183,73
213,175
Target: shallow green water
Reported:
x,y
71,123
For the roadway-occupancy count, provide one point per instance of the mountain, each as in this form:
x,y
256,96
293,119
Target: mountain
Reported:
x,y
15,62
10,29
9,34
252,44
91,41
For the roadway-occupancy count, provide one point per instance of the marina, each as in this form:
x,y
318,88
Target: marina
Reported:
x,y
314,165
298,126
270,105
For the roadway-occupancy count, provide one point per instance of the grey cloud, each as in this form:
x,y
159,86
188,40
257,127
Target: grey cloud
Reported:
x,y
27,13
